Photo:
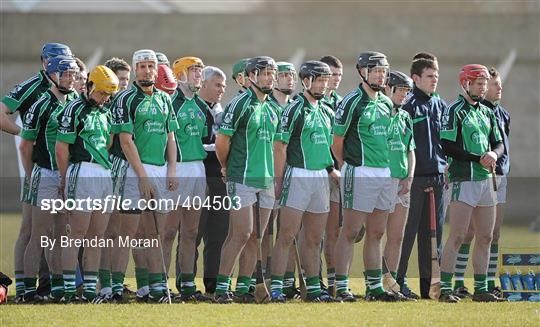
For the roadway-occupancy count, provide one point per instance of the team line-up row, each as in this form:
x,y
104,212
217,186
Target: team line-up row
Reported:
x,y
330,170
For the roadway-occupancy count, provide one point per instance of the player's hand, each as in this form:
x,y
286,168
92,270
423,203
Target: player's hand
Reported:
x,y
224,174
278,185
335,175
146,188
61,188
172,182
404,185
488,159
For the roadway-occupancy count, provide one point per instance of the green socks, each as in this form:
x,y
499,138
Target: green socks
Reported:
x,y
492,267
19,282
222,284
480,284
374,281
276,284
90,280
242,285
57,286
342,284
461,265
446,282
187,284
118,282
313,286
69,284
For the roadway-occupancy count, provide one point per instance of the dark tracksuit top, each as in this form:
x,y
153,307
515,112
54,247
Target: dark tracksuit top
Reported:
x,y
503,121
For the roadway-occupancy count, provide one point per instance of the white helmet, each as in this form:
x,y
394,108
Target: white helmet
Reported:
x,y
144,55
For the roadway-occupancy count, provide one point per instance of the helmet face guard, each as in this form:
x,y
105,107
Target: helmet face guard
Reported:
x,y
258,66
287,69
470,73
182,66
398,79
101,79
59,65
311,70
373,60
144,55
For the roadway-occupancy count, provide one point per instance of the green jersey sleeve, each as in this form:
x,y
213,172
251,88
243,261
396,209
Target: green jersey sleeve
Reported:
x,y
68,122
450,124
233,114
120,113
343,117
31,120
172,123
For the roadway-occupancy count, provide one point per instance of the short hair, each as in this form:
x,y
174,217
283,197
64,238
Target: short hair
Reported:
x,y
210,72
332,61
80,64
493,72
419,65
117,64
424,55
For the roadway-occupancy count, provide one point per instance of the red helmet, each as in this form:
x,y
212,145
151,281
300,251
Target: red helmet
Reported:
x,y
469,73
165,80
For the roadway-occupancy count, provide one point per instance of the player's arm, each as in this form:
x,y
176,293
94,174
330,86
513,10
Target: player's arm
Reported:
x,y
6,123
407,181
62,158
25,149
132,154
337,149
223,147
489,159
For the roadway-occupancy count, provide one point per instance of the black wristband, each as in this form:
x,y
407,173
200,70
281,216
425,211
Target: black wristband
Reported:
x,y
329,169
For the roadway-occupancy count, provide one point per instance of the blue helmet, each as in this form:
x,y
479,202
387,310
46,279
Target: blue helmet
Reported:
x,y
60,64
51,50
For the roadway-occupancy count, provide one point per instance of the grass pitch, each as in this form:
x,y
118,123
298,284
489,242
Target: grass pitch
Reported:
x,y
422,313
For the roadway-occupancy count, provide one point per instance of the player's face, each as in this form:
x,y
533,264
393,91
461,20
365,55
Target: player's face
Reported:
x,y
216,87
101,97
319,84
399,95
68,79
194,77
146,71
427,82
377,75
80,82
335,80
123,79
285,80
478,87
266,78
494,92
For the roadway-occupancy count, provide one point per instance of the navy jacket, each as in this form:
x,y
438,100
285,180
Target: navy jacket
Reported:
x,y
426,113
503,120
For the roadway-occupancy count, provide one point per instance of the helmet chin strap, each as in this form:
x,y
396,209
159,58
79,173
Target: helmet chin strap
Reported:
x,y
374,87
475,98
285,91
316,96
60,89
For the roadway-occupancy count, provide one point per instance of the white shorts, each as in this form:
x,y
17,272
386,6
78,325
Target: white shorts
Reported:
x,y
244,196
306,190
334,191
403,199
502,183
43,185
366,188
475,193
157,175
86,180
192,182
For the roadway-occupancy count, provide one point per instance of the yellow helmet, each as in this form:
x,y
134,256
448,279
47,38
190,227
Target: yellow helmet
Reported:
x,y
103,79
181,65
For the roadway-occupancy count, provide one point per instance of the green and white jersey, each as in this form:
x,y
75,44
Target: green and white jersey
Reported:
x,y
400,143
86,129
149,118
115,149
191,117
252,125
333,100
363,123
307,130
25,94
473,128
40,124
279,108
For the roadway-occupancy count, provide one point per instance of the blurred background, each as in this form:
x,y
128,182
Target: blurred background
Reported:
x,y
504,34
